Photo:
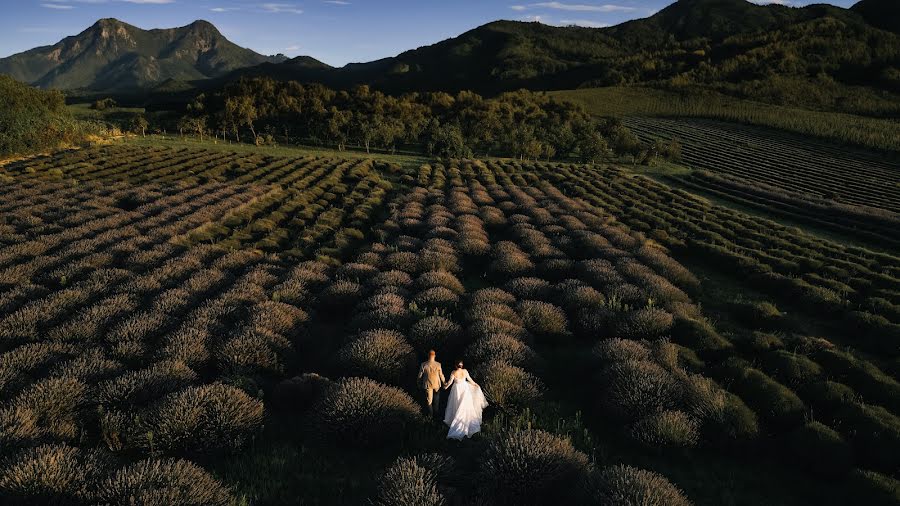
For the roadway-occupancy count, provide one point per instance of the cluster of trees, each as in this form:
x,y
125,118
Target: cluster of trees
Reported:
x,y
520,124
33,120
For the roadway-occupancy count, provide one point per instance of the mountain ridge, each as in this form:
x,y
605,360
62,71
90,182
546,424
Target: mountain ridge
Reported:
x,y
114,55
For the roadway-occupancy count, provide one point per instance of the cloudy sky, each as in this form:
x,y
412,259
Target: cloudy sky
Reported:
x,y
334,31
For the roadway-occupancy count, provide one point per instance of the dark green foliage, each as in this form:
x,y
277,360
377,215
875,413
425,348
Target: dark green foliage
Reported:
x,y
698,335
33,120
645,323
821,449
791,368
775,402
532,467
875,488
736,422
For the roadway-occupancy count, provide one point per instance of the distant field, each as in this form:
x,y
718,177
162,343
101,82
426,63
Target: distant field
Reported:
x,y
849,129
161,292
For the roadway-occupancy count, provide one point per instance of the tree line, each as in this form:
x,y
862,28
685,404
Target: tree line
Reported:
x,y
33,120
519,124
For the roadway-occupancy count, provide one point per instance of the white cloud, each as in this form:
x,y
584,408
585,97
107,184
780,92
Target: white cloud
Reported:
x,y
536,18
151,2
573,7
281,8
337,2
57,6
225,9
583,22
294,47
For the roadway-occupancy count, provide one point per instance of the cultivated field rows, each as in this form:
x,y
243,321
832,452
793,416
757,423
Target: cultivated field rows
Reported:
x,y
152,301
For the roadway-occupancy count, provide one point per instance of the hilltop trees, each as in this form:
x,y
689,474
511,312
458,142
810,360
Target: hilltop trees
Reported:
x,y
520,124
32,120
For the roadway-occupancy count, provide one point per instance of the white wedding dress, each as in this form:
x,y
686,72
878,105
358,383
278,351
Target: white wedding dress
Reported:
x,y
464,406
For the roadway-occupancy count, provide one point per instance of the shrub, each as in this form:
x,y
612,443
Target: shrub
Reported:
x,y
576,297
434,332
509,260
502,348
492,310
698,335
629,486
142,386
509,386
735,422
278,318
876,434
870,487
620,350
250,353
202,419
637,388
340,297
434,279
667,429
381,354
356,411
492,295
49,474
594,322
703,398
533,467
829,396
437,298
542,318
153,482
599,273
774,401
821,449
48,409
406,483
392,278
529,288
382,310
792,368
759,314
644,323
762,341
298,393
485,327
356,272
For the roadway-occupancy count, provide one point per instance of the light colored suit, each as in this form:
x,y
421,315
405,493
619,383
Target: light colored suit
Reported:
x,y
431,377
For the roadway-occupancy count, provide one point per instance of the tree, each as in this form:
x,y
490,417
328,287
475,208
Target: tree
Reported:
x,y
592,147
139,124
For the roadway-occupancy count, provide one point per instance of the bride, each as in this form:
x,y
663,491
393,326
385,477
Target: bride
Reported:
x,y
465,404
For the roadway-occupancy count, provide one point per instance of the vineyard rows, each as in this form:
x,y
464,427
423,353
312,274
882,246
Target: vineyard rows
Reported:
x,y
797,167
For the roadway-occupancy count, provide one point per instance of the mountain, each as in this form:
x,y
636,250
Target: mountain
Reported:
x,y
884,14
112,55
725,43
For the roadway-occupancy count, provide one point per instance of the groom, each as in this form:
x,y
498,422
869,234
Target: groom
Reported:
x,y
431,377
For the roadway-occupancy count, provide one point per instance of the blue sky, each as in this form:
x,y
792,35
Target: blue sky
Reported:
x,y
334,31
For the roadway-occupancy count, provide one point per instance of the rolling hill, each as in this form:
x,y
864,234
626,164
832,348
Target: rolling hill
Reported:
x,y
115,56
